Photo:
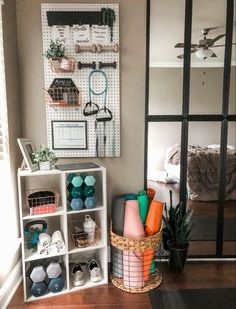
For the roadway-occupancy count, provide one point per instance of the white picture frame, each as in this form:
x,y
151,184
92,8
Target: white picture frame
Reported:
x,y
27,148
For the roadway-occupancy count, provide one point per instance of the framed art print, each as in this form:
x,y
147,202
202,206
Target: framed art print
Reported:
x,y
69,134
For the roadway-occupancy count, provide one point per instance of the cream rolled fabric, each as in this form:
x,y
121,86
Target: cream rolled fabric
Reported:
x,y
57,238
44,240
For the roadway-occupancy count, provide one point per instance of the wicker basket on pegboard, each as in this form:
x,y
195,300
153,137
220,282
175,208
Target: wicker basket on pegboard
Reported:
x,y
133,267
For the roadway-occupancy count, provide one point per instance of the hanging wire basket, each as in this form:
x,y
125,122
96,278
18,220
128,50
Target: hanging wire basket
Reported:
x,y
133,266
63,96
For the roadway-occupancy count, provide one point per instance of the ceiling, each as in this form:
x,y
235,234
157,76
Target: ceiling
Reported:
x,y
167,29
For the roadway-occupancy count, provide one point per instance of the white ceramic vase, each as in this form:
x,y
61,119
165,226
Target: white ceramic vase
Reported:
x,y
45,166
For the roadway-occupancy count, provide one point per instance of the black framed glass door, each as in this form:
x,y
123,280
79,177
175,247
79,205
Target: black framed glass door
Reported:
x,y
190,116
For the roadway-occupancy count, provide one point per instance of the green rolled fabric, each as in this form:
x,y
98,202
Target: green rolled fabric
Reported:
x,y
153,267
143,205
130,196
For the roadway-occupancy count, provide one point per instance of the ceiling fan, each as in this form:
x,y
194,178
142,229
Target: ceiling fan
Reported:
x,y
202,48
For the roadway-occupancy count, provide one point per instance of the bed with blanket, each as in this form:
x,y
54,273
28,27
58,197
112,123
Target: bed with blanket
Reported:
x,y
203,171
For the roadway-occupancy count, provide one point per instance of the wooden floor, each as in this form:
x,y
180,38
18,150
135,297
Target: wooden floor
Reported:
x,y
197,275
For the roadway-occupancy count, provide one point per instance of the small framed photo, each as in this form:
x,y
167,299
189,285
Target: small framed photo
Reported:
x,y
69,134
27,148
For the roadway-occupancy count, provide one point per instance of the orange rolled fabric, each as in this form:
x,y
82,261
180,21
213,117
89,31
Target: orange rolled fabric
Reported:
x,y
152,226
151,194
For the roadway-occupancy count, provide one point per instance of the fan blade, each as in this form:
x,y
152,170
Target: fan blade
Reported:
x,y
209,29
222,45
214,55
182,56
218,37
181,45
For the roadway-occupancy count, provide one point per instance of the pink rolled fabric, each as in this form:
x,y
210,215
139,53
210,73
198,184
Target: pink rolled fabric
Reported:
x,y
133,261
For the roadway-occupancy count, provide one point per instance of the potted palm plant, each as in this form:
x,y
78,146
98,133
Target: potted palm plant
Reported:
x,y
45,157
177,233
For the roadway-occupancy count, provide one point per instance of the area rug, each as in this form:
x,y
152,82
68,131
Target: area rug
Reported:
x,y
193,299
205,229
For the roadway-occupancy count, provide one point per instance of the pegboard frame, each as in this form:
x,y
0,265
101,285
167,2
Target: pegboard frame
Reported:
x,y
80,78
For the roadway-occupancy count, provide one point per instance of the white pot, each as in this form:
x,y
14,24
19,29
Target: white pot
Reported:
x,y
45,166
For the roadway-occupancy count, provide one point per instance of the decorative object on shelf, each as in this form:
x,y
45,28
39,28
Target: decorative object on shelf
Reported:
x,y
56,285
89,227
178,232
62,92
102,65
59,63
106,48
88,48
42,201
108,18
91,65
79,237
27,148
53,270
90,202
45,157
37,274
32,232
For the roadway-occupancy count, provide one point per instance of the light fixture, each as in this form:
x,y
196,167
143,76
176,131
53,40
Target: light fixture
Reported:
x,y
204,53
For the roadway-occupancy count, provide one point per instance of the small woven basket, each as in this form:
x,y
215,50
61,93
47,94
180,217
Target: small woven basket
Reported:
x,y
133,268
56,65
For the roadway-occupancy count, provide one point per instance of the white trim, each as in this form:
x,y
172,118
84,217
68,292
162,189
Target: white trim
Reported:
x,y
155,64
10,286
164,260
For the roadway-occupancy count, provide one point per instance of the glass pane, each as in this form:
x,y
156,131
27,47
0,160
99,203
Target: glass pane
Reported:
x,y
229,245
202,184
166,70
232,94
163,169
207,57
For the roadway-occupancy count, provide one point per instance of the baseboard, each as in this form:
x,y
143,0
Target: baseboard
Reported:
x,y
10,286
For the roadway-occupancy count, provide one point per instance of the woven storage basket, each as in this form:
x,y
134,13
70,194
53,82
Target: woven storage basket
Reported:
x,y
123,247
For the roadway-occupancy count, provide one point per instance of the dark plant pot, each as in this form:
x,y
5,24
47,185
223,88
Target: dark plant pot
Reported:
x,y
165,239
177,258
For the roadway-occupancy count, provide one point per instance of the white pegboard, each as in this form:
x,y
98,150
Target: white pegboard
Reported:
x,y
80,78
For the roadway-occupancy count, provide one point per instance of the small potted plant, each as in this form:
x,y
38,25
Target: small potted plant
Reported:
x,y
58,61
177,233
45,157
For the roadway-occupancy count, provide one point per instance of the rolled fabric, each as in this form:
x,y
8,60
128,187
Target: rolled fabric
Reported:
x,y
133,261
152,226
151,194
143,205
57,238
130,196
44,240
117,215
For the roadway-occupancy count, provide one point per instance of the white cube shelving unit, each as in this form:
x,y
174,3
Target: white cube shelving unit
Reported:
x,y
62,220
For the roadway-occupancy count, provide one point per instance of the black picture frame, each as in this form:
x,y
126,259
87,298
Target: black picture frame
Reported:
x,y
67,143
